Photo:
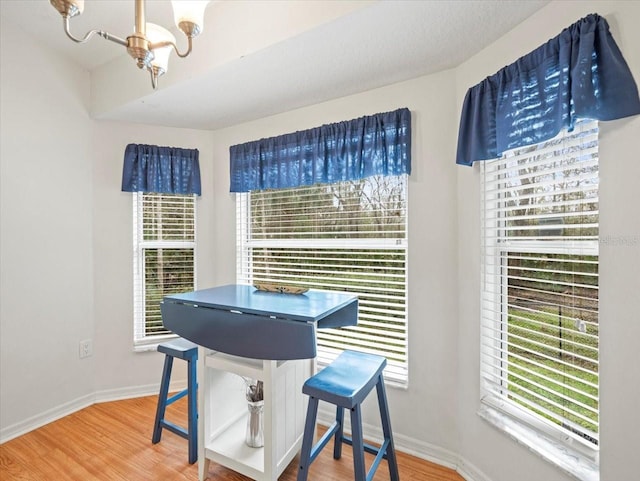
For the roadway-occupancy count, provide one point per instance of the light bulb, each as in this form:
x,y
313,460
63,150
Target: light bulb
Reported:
x,y
156,34
189,15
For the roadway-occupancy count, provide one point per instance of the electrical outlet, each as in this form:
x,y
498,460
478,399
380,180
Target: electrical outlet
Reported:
x,y
86,348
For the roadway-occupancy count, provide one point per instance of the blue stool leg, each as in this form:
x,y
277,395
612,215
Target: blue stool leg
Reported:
x,y
386,429
357,444
162,399
307,439
192,411
337,443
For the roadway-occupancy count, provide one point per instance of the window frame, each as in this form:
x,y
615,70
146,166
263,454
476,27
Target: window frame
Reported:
x,y
141,340
397,371
553,442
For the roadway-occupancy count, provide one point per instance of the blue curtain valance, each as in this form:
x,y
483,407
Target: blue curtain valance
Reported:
x,y
580,74
374,145
165,170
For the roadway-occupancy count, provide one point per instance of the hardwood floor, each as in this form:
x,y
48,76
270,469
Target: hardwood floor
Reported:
x,y
112,442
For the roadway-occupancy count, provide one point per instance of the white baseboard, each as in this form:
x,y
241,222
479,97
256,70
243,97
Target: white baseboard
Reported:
x,y
50,415
46,417
132,392
414,447
471,473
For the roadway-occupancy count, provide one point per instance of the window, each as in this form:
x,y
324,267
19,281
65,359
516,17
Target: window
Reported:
x,y
164,258
540,287
348,236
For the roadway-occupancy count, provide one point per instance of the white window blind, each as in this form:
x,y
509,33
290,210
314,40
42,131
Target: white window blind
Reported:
x,y
540,285
164,258
350,237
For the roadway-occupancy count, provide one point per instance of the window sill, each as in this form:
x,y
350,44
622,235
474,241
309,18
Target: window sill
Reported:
x,y
152,344
571,461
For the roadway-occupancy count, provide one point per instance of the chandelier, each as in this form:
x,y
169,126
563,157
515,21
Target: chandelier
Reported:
x,y
150,45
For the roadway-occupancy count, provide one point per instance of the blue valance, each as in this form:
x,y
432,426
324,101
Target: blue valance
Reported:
x,y
165,170
580,74
374,145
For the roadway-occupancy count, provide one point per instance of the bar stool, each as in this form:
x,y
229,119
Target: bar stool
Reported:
x,y
345,383
186,350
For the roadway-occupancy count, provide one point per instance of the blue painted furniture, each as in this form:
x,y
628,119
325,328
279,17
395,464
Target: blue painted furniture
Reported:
x,y
345,383
269,336
187,351
242,321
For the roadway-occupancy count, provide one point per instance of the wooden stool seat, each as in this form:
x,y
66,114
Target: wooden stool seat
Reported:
x,y
346,383
187,351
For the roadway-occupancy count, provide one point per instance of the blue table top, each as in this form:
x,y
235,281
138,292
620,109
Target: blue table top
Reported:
x,y
311,306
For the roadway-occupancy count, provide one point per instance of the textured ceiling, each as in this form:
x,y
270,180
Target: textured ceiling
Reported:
x,y
375,44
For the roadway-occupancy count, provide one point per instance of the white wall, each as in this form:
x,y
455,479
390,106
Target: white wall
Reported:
x,y
46,280
66,242
493,452
426,411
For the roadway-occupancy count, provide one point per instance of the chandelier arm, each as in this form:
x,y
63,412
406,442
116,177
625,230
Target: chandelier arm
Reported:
x,y
175,48
88,35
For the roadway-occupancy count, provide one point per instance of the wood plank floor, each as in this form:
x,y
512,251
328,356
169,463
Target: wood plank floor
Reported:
x,y
112,442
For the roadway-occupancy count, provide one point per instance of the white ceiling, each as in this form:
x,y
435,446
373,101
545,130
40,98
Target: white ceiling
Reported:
x,y
380,43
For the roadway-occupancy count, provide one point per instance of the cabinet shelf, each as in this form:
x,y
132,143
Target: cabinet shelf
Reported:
x,y
229,448
242,366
